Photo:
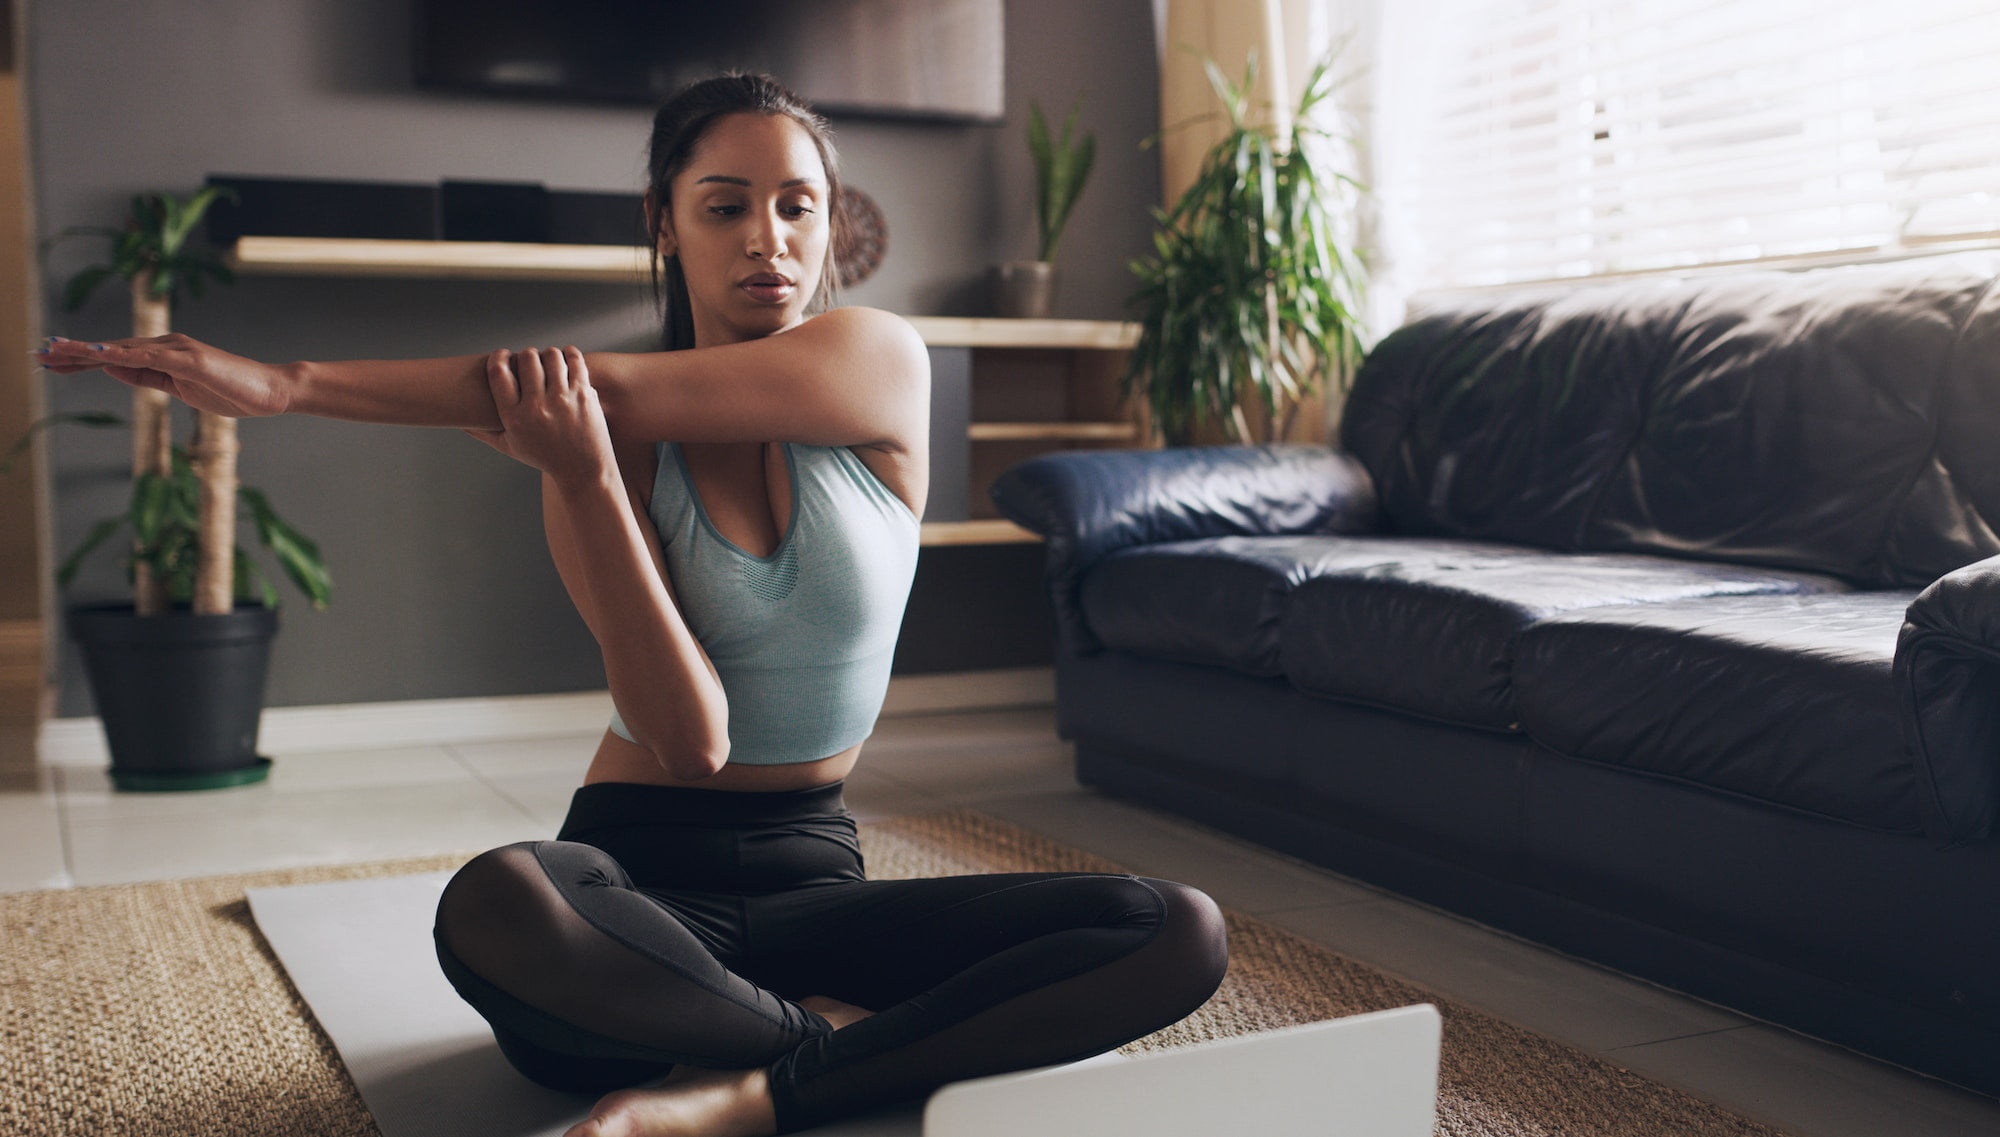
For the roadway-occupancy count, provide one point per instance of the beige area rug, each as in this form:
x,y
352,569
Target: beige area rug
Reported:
x,y
157,1009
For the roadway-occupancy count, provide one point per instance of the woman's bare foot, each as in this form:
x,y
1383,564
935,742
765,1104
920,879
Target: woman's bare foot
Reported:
x,y
690,1102
693,1102
834,1011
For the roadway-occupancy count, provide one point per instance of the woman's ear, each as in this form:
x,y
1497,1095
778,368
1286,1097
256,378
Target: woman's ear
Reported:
x,y
660,225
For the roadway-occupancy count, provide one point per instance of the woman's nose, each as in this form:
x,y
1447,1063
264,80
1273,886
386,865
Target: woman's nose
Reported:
x,y
766,240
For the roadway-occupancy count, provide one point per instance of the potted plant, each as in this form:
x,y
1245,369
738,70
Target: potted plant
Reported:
x,y
1026,289
1251,296
178,673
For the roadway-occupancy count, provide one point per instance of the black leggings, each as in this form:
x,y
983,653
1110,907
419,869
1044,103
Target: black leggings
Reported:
x,y
670,925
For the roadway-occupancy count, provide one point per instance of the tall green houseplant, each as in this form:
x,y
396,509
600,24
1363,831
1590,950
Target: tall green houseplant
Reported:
x,y
157,257
178,675
1252,294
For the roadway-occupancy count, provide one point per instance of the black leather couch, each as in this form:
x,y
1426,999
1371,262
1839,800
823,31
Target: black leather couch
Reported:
x,y
1658,622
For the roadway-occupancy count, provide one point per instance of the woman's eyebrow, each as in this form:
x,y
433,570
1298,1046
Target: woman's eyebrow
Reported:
x,y
745,182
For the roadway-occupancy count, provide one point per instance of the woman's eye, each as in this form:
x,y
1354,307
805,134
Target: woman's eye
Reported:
x,y
797,210
725,210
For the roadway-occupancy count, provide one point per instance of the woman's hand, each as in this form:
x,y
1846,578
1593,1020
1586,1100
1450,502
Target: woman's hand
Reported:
x,y
201,376
549,414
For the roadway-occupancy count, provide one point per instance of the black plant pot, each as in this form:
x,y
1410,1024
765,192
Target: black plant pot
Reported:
x,y
179,694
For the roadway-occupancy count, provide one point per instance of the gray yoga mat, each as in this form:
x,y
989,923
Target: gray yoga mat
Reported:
x,y
359,951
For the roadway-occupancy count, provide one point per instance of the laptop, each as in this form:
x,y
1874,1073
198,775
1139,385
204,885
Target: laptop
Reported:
x,y
1372,1075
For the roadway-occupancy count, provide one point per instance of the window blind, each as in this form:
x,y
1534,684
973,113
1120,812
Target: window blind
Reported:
x,y
1575,138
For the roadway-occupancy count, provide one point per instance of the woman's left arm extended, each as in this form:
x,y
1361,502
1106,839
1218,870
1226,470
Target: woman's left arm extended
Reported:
x,y
660,678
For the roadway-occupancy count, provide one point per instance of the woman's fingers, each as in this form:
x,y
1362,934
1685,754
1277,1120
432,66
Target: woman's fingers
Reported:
x,y
579,375
156,353
556,366
528,372
500,378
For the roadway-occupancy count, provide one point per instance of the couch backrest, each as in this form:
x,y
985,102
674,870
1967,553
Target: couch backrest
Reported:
x,y
1842,420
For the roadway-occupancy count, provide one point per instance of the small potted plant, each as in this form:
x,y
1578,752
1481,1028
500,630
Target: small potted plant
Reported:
x,y
1026,289
1252,295
178,673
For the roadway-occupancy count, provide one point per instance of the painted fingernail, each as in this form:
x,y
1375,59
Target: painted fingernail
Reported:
x,y
97,347
57,339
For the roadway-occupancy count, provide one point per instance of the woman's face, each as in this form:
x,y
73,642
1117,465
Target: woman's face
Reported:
x,y
749,223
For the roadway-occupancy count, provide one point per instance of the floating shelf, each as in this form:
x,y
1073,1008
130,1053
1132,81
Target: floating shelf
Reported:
x,y
464,260
976,533
1052,432
611,264
961,331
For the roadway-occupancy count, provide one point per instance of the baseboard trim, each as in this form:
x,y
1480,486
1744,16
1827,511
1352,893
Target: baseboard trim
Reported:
x,y
419,722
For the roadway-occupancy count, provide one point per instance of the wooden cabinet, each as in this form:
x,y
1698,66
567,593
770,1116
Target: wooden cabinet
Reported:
x,y
1002,390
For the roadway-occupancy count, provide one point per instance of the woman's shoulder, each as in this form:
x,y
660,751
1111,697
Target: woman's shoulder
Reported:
x,y
873,351
874,327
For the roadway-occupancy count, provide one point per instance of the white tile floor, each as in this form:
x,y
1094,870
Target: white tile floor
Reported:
x,y
326,807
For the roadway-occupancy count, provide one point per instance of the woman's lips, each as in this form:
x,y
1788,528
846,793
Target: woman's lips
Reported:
x,y
767,287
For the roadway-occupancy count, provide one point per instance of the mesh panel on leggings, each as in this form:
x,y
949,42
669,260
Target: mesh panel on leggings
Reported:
x,y
558,927
1135,980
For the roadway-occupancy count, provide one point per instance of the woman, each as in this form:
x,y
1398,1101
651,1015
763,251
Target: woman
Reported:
x,y
702,922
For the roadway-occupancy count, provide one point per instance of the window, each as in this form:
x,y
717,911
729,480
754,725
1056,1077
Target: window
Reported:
x,y
1574,138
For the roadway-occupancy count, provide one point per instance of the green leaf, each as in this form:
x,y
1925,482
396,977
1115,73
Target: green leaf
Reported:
x,y
297,555
1062,165
248,572
83,284
151,495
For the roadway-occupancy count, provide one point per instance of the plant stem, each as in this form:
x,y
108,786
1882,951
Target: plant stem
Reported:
x,y
152,439
214,458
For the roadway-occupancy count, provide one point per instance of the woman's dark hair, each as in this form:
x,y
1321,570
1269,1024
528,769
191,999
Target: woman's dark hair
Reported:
x,y
678,127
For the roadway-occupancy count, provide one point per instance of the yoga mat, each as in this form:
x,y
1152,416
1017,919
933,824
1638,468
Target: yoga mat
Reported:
x,y
359,952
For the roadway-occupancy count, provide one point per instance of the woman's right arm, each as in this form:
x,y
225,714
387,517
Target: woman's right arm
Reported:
x,y
668,692
660,677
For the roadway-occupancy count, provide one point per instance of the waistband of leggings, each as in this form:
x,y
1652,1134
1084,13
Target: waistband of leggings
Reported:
x,y
603,805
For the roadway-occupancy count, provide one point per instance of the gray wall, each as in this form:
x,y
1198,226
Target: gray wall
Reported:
x,y
443,587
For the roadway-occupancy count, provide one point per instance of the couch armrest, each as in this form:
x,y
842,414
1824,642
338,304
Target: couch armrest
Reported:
x,y
1948,680
1089,504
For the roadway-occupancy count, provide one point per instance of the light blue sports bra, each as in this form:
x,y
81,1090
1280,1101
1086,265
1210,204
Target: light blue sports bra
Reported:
x,y
801,639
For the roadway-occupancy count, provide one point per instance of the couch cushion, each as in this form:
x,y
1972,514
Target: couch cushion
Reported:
x,y
1425,626
1217,601
1833,420
1785,699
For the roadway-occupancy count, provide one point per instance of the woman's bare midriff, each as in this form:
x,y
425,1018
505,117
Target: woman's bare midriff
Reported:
x,y
620,761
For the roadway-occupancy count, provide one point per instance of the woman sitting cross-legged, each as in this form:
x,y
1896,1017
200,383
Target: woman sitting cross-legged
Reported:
x,y
700,942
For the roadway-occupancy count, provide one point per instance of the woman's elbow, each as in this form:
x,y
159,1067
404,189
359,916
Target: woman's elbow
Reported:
x,y
690,758
688,766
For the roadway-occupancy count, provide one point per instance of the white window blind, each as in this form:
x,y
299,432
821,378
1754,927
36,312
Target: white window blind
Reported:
x,y
1577,138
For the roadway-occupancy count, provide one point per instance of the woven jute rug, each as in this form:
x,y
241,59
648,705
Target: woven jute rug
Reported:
x,y
157,1009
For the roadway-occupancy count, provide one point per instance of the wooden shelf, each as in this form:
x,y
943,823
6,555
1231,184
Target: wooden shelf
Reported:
x,y
1052,432
609,264
976,533
960,331
463,260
